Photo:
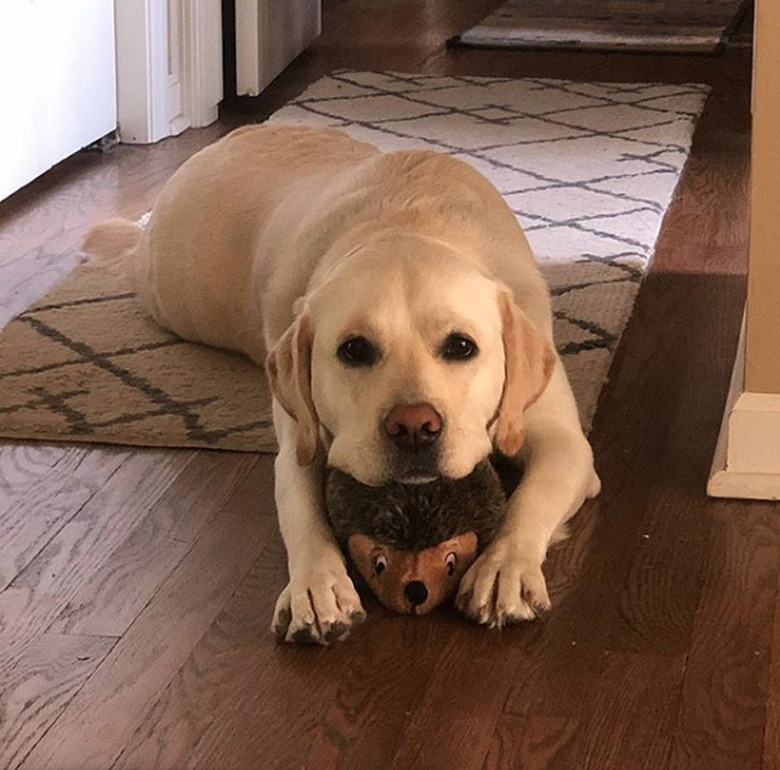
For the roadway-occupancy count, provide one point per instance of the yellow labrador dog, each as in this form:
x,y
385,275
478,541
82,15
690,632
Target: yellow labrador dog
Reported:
x,y
406,333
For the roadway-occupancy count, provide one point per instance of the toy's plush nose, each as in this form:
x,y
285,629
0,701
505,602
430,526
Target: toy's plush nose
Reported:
x,y
413,425
416,592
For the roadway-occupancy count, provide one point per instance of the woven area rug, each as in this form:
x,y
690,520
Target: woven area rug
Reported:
x,y
589,169
622,25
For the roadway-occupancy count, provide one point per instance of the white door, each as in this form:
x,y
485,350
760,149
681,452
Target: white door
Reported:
x,y
269,35
57,83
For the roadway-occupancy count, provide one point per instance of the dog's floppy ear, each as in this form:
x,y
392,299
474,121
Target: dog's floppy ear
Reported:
x,y
529,362
289,373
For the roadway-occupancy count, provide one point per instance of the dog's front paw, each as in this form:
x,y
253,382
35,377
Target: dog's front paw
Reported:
x,y
503,586
317,607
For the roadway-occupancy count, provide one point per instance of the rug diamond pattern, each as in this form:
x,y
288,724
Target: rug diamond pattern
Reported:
x,y
588,168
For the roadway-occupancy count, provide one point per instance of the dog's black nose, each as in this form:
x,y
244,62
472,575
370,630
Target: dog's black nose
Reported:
x,y
413,425
416,592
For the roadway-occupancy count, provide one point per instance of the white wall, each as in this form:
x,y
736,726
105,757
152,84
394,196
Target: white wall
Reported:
x,y
57,83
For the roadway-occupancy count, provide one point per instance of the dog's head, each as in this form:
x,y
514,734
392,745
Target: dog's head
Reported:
x,y
409,364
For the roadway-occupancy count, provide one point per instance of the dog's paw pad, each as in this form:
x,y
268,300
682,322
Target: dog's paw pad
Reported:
x,y
335,631
306,635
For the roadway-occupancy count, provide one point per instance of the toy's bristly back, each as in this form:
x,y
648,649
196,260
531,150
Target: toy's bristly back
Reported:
x,y
416,516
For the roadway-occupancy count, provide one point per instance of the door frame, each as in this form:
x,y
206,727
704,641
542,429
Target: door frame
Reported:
x,y
169,67
747,457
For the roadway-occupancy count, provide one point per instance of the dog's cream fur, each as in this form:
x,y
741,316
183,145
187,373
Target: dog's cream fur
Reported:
x,y
281,243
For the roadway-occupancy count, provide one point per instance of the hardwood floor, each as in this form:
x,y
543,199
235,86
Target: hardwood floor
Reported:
x,y
136,586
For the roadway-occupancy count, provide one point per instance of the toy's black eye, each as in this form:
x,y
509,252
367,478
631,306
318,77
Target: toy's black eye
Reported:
x,y
451,562
358,351
380,564
458,347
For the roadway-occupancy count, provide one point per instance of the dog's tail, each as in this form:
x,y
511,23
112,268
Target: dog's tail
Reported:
x,y
112,243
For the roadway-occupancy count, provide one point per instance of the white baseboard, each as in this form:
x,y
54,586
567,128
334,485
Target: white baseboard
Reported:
x,y
747,457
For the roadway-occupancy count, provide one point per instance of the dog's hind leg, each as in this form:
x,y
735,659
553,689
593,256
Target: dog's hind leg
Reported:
x,y
112,242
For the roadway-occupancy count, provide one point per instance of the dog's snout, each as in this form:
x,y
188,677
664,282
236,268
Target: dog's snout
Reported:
x,y
412,425
416,592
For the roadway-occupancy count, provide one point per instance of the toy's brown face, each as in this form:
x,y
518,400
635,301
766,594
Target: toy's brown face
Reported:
x,y
413,582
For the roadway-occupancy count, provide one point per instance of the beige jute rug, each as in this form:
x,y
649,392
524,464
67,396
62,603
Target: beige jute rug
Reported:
x,y
588,168
87,364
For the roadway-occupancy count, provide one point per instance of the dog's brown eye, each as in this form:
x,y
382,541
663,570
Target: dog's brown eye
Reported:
x,y
451,562
358,351
459,347
380,564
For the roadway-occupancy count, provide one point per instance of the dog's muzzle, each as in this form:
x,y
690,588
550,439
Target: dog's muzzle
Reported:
x,y
414,431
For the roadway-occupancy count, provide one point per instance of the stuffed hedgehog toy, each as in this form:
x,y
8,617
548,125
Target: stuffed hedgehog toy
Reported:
x,y
412,543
